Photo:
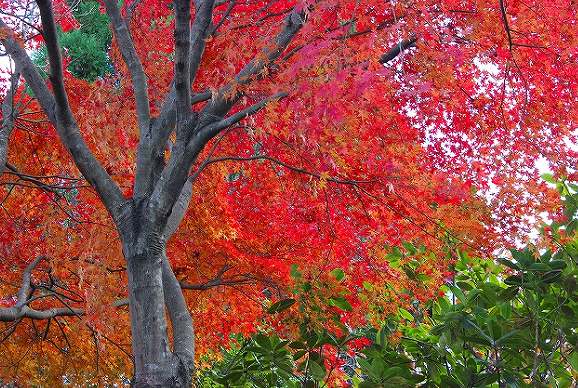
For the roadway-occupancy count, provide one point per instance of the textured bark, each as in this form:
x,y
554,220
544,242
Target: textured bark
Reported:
x,y
181,323
151,351
153,291
8,115
152,288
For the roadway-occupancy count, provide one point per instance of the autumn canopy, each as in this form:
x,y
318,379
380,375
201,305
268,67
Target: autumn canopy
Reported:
x,y
215,147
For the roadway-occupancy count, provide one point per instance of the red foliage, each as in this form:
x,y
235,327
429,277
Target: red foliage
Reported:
x,y
439,144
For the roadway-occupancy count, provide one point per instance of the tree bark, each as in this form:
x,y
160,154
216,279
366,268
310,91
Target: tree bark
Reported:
x,y
151,351
153,288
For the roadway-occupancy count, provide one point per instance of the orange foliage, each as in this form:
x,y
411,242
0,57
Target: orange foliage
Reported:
x,y
377,154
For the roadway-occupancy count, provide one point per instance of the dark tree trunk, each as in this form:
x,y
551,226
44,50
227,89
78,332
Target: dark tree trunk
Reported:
x,y
154,293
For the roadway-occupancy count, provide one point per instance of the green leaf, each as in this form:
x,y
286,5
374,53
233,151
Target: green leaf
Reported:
x,y
311,338
295,274
381,337
508,263
299,354
438,329
281,305
503,338
549,178
551,276
341,303
263,341
392,372
316,370
297,345
557,264
573,360
234,376
540,267
368,286
464,286
369,384
338,274
409,247
509,293
458,293
514,280
405,314
281,344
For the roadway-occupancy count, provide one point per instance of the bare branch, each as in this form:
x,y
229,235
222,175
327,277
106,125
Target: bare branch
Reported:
x,y
219,282
179,209
182,60
12,314
21,309
52,188
58,110
175,173
506,24
398,49
224,17
199,33
130,10
163,124
181,320
8,116
26,278
224,99
178,315
213,129
28,69
300,170
188,58
132,61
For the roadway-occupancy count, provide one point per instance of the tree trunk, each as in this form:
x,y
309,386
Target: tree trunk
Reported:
x,y
152,287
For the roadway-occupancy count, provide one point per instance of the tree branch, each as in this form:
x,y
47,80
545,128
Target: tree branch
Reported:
x,y
218,282
132,61
8,116
182,60
224,99
181,320
175,173
178,313
139,86
26,286
52,188
213,129
21,309
58,110
28,69
179,209
199,33
130,10
287,166
12,314
190,45
398,49
224,17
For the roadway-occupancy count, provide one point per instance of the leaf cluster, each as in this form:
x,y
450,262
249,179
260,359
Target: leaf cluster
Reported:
x,y
505,322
